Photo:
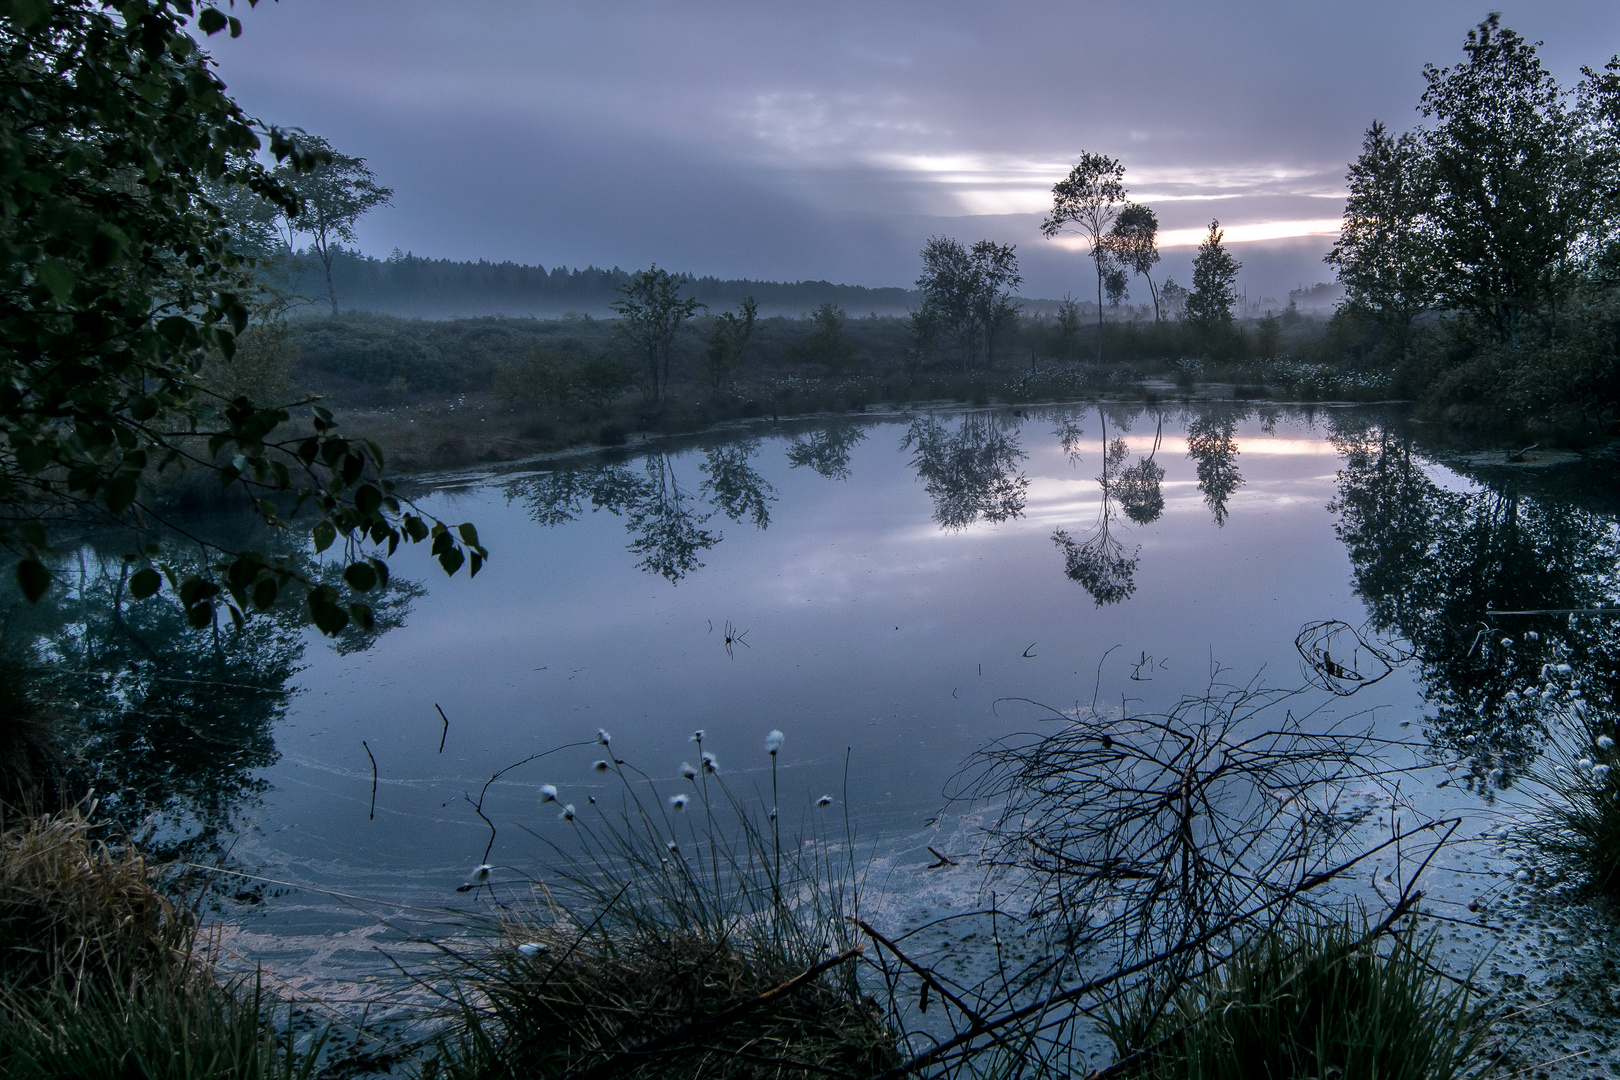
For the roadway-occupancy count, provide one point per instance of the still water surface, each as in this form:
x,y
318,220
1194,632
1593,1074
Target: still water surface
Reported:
x,y
892,593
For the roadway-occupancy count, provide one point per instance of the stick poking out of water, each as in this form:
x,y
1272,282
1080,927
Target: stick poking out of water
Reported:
x,y
373,815
445,734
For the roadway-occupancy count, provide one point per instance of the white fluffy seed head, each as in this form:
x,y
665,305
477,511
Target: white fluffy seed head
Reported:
x,y
532,948
1522,876
677,802
697,736
1600,772
773,742
687,770
600,765
480,873
1531,635
548,793
824,802
567,813
603,737
1605,743
673,846
1585,764
710,765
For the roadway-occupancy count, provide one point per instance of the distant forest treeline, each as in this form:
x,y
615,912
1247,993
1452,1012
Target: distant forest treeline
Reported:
x,y
416,287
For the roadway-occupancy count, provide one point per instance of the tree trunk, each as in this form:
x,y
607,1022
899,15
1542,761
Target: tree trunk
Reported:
x,y
1096,255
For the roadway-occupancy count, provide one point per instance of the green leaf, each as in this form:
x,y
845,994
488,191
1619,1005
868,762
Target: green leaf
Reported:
x,y
360,576
469,535
211,21
33,578
329,618
56,276
145,582
28,14
451,560
363,617
200,615
323,534
264,593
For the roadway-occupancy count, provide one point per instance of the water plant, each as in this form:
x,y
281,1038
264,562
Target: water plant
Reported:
x,y
1306,999
670,935
1574,820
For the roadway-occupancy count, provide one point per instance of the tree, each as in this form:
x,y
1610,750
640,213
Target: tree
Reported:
x,y
651,314
1208,307
120,278
1118,286
728,343
1089,199
1385,254
995,277
334,196
1134,244
826,343
968,293
1511,200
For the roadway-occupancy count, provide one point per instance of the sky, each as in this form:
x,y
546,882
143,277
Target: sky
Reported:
x,y
830,140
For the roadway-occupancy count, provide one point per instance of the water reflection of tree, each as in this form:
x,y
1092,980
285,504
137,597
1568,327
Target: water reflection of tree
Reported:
x,y
1138,486
165,722
1210,443
664,518
825,452
969,471
1431,563
1099,564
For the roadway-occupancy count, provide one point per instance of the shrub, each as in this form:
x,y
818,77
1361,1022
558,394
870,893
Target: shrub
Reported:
x,y
1305,1001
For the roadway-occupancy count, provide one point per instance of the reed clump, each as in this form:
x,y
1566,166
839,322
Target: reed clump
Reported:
x,y
673,936
1306,1000
1574,822
101,974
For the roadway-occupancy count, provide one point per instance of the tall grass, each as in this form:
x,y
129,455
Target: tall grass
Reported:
x,y
1575,818
672,937
102,976
1307,1000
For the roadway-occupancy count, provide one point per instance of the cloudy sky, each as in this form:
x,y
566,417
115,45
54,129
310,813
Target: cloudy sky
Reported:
x,y
782,140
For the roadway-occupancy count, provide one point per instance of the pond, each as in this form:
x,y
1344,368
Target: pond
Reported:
x,y
892,592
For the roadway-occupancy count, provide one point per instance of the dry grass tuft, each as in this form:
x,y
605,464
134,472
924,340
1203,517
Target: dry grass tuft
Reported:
x,y
73,907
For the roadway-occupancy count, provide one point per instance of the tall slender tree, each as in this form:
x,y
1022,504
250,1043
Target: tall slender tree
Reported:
x,y
335,196
1134,243
1087,201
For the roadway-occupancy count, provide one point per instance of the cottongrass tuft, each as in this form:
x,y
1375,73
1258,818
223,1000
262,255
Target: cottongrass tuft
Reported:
x,y
600,765
773,742
533,948
710,763
688,771
824,802
548,793
567,813
603,737
480,874
678,802
697,736
1605,743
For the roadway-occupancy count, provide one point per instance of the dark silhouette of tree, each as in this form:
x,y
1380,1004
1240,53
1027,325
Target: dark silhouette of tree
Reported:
x,y
825,452
1208,307
1512,198
968,472
1087,201
826,344
729,340
651,314
1134,244
334,196
1137,486
1385,255
968,293
1211,445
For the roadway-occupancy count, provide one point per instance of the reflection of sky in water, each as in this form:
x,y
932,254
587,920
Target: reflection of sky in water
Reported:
x,y
868,627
